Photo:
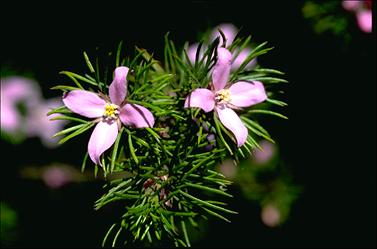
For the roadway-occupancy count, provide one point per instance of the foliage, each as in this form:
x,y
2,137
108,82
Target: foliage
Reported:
x,y
165,176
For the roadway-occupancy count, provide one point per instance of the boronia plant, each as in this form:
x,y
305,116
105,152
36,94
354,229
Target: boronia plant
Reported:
x,y
159,128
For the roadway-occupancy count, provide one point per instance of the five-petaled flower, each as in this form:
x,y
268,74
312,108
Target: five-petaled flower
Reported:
x,y
224,97
109,113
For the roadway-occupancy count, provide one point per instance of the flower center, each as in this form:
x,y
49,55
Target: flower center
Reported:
x,y
111,111
223,95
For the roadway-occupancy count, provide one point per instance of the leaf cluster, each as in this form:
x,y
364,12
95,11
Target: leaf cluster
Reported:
x,y
165,176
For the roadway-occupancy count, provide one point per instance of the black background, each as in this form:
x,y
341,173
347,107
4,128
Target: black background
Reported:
x,y
329,141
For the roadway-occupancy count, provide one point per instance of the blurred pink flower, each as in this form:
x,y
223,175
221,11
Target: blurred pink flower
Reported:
x,y
15,90
364,20
191,52
223,99
228,169
270,215
56,177
34,122
230,32
228,29
266,153
363,12
39,124
351,5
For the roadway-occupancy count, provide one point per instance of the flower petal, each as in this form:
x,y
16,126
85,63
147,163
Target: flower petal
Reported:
x,y
103,136
241,58
10,118
364,19
39,124
17,88
231,121
13,91
202,98
85,103
118,88
351,5
245,94
221,69
229,30
136,115
191,52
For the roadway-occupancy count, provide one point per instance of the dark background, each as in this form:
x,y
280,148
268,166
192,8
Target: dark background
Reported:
x,y
329,142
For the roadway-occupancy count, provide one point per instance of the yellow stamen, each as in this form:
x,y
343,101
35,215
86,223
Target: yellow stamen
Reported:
x,y
111,111
223,95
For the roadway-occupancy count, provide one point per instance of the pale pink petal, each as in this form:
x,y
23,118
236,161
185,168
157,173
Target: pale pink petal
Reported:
x,y
103,136
364,19
136,115
57,176
231,121
245,94
241,58
221,69
229,30
352,5
271,215
10,118
191,52
263,155
39,124
228,168
85,103
17,88
202,98
118,88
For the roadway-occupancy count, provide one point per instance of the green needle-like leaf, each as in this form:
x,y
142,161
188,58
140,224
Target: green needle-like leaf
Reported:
x,y
268,112
70,118
213,190
185,233
65,131
132,149
76,133
91,69
205,203
76,77
219,133
115,150
117,59
65,88
107,234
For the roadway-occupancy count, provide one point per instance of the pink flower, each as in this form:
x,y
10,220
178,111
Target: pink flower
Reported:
x,y
271,215
39,124
363,11
351,5
265,154
108,113
224,98
34,122
191,52
15,90
57,176
364,20
228,169
228,29
230,32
